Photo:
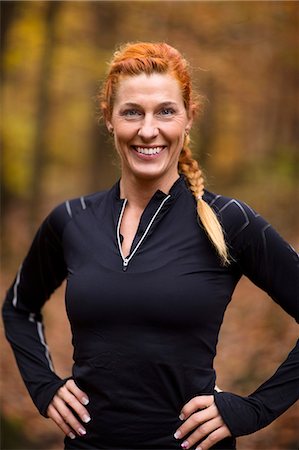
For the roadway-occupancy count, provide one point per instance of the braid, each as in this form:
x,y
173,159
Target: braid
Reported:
x,y
145,57
190,168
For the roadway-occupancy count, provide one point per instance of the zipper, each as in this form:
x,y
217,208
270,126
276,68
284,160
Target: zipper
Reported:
x,y
128,259
125,264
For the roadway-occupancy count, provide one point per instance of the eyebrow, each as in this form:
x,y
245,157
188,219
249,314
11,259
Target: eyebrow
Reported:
x,y
166,104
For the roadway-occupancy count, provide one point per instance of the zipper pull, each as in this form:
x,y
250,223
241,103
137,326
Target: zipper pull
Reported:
x,y
125,264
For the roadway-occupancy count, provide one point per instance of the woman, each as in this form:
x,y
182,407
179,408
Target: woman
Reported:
x,y
151,266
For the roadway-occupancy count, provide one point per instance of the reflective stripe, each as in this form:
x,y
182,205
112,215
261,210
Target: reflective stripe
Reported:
x,y
68,208
118,228
83,204
32,318
127,260
15,288
43,342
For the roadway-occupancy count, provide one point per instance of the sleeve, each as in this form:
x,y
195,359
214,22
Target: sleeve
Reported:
x,y
266,259
42,271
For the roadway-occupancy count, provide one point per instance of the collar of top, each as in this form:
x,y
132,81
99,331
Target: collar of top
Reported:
x,y
176,189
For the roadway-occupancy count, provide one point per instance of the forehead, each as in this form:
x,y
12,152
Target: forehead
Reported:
x,y
144,88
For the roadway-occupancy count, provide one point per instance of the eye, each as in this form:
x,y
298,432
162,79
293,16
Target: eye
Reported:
x,y
131,113
167,112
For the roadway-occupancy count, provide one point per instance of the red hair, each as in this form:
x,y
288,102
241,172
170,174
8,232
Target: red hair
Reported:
x,y
145,57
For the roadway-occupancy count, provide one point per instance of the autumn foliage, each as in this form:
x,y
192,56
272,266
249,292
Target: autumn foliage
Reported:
x,y
246,67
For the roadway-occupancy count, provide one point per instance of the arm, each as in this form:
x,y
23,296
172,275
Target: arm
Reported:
x,y
261,254
245,415
42,271
265,258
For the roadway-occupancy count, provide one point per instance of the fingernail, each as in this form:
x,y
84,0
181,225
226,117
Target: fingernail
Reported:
x,y
71,436
185,444
86,418
81,431
181,416
198,448
177,434
85,401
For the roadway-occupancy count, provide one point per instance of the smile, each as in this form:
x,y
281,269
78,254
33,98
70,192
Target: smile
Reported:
x,y
148,150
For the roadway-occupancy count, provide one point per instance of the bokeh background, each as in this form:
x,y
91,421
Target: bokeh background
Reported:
x,y
245,62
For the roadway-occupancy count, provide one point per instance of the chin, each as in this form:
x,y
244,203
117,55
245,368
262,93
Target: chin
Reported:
x,y
148,174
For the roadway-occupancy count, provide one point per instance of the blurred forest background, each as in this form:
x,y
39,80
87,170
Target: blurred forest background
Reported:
x,y
245,62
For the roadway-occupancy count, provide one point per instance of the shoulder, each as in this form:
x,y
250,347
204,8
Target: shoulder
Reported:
x,y
69,210
235,216
78,205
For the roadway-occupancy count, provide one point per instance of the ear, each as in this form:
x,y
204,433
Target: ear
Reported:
x,y
189,123
109,126
188,128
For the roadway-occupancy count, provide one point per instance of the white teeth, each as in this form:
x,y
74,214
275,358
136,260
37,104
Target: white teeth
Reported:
x,y
149,151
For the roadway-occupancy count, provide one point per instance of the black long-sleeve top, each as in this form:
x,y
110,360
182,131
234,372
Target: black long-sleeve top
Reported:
x,y
145,327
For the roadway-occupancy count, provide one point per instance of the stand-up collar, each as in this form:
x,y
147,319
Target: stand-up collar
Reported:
x,y
175,191
178,186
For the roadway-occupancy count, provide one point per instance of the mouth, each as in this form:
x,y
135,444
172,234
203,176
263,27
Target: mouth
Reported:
x,y
148,151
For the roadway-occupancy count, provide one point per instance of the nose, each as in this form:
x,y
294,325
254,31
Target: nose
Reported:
x,y
148,130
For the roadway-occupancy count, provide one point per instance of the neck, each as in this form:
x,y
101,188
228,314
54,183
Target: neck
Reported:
x,y
140,191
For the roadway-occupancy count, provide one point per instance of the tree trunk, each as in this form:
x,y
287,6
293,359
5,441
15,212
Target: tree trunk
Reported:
x,y
40,146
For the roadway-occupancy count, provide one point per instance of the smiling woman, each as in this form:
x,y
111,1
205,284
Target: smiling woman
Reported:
x,y
151,265
150,122
145,59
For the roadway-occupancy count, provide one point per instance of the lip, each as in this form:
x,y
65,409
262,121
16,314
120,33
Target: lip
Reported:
x,y
148,151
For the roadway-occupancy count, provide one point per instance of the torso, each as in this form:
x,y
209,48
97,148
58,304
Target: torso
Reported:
x,y
133,354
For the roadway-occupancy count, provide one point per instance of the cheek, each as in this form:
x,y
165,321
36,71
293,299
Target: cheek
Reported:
x,y
176,131
124,133
120,148
123,138
177,137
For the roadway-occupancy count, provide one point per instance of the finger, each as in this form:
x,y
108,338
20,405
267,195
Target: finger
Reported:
x,y
195,420
196,403
74,403
68,416
74,389
58,419
202,431
214,437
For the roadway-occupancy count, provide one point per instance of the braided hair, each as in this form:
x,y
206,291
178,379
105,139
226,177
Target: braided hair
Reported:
x,y
146,57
